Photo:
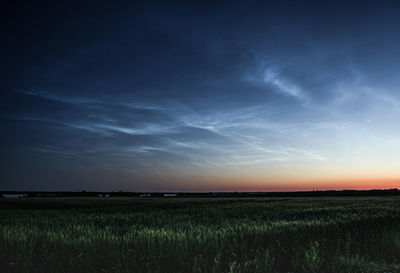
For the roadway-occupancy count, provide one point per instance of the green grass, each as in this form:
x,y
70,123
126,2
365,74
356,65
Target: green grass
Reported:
x,y
350,234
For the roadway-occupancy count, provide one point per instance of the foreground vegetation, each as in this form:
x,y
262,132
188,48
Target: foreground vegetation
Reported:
x,y
348,234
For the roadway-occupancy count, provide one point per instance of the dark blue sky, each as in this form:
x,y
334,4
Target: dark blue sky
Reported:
x,y
200,96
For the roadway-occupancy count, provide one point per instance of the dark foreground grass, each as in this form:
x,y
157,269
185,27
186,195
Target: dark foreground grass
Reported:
x,y
350,234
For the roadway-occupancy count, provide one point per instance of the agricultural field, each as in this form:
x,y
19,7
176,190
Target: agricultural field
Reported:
x,y
335,234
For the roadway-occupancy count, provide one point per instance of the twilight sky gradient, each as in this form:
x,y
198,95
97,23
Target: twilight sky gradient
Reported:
x,y
218,96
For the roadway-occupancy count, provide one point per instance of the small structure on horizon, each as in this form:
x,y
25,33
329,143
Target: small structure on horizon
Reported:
x,y
145,195
103,195
170,195
15,195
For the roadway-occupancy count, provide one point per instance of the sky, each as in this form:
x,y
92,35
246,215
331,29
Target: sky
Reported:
x,y
200,96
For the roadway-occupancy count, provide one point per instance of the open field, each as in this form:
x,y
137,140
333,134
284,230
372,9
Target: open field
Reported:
x,y
336,234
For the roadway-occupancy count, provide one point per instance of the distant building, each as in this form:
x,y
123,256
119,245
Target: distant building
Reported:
x,y
18,195
170,194
103,195
45,195
145,195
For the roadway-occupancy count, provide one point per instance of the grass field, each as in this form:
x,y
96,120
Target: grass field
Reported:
x,y
346,234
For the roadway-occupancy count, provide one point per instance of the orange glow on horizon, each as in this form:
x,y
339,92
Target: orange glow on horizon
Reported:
x,y
242,184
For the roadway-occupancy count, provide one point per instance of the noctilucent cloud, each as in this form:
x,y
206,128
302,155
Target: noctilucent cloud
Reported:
x,y
197,96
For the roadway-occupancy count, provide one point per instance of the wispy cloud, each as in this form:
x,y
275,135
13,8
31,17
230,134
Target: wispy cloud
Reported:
x,y
88,101
214,138
61,98
284,86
